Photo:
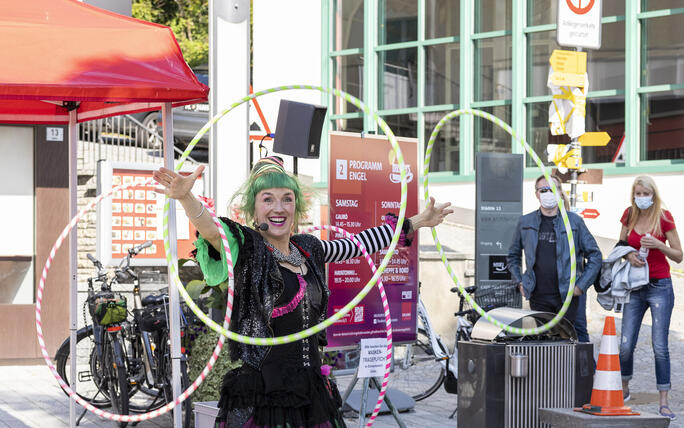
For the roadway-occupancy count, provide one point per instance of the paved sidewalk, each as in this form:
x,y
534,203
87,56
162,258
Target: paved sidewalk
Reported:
x,y
30,397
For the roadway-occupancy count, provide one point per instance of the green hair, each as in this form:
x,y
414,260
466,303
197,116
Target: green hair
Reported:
x,y
270,179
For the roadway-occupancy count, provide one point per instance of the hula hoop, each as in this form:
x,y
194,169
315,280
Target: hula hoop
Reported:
x,y
263,341
564,216
385,306
43,349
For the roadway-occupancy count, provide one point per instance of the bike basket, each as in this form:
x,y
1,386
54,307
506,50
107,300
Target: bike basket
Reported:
x,y
497,295
489,297
107,308
154,318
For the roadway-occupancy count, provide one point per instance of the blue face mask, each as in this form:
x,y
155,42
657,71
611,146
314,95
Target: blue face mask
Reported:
x,y
643,202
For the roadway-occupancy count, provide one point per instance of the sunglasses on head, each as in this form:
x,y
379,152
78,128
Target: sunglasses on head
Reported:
x,y
543,189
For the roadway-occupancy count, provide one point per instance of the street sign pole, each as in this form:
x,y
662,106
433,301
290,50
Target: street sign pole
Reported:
x,y
575,145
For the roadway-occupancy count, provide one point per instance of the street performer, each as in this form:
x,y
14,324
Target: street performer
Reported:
x,y
280,289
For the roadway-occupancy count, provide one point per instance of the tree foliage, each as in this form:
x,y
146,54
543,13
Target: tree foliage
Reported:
x,y
187,18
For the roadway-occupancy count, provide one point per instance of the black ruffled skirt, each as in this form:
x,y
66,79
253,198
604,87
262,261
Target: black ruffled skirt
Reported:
x,y
278,397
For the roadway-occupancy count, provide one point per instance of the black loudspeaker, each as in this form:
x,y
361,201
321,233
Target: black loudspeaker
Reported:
x,y
298,130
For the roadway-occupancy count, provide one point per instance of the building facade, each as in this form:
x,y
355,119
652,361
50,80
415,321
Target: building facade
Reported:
x,y
413,61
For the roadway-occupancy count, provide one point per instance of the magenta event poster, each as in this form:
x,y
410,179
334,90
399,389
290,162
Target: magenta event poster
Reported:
x,y
364,186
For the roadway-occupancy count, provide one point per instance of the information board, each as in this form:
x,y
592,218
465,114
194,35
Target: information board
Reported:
x,y
498,193
579,23
364,186
135,215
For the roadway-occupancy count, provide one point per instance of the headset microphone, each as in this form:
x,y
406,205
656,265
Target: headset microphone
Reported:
x,y
263,226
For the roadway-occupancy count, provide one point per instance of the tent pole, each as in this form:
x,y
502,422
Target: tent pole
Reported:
x,y
73,255
174,301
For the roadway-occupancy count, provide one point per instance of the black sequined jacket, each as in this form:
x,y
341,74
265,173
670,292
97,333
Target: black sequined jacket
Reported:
x,y
258,284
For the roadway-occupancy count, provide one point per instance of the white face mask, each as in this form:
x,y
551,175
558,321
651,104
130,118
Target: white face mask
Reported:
x,y
548,200
643,202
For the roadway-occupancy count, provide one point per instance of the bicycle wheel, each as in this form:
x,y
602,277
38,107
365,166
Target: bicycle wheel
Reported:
x,y
416,368
88,373
115,369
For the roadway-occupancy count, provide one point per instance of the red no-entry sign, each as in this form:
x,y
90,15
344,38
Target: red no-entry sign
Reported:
x,y
590,213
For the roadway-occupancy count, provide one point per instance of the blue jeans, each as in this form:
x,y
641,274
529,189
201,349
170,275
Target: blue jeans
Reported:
x,y
659,296
581,319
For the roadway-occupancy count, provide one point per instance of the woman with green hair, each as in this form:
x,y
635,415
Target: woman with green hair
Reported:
x,y
280,289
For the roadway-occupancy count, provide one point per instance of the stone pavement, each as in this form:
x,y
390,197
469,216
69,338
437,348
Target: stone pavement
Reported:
x,y
30,397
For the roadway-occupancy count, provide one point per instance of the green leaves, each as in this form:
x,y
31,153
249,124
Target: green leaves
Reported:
x,y
189,20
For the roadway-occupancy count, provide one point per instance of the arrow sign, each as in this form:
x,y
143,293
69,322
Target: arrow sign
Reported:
x,y
589,213
594,139
568,61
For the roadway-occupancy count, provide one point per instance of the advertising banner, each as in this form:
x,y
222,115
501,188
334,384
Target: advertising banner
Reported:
x,y
364,186
135,215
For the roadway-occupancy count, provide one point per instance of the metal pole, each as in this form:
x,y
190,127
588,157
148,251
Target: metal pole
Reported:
x,y
388,402
575,145
174,301
362,404
73,255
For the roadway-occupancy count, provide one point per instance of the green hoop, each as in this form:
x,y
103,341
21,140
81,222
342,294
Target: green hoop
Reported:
x,y
264,341
564,215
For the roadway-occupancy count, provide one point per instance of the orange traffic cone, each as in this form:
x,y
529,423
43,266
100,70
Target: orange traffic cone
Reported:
x,y
606,396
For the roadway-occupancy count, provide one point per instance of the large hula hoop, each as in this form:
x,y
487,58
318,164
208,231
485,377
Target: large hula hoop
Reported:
x,y
386,309
39,330
265,341
564,215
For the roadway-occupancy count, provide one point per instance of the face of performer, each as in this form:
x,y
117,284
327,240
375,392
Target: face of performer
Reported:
x,y
275,207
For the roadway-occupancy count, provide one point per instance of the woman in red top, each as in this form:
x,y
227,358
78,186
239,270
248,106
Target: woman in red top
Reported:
x,y
647,225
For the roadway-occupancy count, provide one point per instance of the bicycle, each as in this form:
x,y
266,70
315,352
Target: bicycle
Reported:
x,y
423,367
143,359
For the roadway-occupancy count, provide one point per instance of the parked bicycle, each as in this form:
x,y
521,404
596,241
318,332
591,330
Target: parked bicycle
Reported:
x,y
423,367
121,353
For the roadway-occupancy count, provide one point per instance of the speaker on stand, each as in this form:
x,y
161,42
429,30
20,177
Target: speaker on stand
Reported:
x,y
298,130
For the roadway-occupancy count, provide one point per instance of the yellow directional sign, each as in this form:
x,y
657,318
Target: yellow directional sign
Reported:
x,y
568,79
569,68
568,61
594,139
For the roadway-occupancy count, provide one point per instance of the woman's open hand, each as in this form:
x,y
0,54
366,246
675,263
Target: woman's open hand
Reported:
x,y
432,215
175,186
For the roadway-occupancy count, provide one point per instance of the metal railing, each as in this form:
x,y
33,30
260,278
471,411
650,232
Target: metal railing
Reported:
x,y
120,139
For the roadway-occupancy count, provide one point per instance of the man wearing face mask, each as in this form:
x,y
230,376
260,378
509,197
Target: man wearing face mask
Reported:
x,y
542,236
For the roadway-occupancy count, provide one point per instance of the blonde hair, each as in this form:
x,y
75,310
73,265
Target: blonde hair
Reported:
x,y
653,214
559,187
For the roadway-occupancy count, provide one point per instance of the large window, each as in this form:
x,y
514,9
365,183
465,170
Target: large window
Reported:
x,y
493,68
397,80
445,149
442,18
442,74
662,111
348,24
412,73
662,125
348,71
490,137
399,22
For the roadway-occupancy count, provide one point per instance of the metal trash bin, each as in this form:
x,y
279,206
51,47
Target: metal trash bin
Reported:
x,y
503,379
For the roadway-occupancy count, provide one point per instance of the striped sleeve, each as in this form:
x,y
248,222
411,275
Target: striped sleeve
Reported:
x,y
374,239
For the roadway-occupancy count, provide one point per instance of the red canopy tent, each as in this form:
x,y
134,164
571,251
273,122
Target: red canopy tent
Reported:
x,y
65,62
60,51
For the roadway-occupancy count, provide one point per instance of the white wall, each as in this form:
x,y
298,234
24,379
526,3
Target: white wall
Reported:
x,y
17,215
287,50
